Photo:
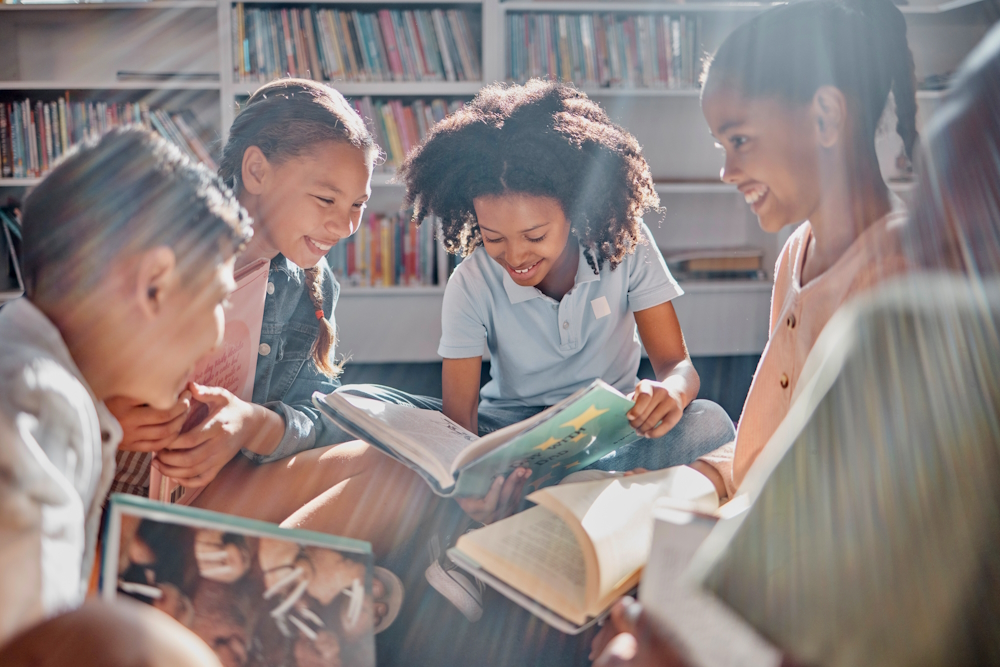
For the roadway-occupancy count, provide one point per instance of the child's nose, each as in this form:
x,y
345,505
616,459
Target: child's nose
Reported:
x,y
730,172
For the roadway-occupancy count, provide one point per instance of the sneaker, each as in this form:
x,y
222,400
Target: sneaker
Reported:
x,y
463,591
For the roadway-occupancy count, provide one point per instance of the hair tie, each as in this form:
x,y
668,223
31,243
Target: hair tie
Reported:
x,y
319,314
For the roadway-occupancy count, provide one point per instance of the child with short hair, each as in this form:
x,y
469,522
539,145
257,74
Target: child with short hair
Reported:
x,y
128,258
794,96
561,279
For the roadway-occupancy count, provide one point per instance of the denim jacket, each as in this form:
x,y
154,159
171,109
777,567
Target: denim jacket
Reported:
x,y
286,375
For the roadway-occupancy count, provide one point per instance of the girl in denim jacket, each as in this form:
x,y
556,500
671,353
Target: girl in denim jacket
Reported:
x,y
300,161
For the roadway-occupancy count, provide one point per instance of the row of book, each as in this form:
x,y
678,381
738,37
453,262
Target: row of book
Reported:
x,y
400,126
344,45
387,250
606,50
716,263
33,135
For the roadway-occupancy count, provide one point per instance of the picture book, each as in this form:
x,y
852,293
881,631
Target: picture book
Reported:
x,y
256,593
583,546
232,365
564,438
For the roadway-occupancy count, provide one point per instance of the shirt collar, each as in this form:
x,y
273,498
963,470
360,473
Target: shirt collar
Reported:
x,y
36,329
286,266
518,293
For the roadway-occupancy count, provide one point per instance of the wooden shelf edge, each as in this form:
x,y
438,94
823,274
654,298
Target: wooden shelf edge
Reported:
x,y
109,85
424,290
19,182
695,7
159,5
387,88
695,287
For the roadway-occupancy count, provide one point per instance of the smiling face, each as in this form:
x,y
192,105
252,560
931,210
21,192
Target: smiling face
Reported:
x,y
305,204
528,236
772,155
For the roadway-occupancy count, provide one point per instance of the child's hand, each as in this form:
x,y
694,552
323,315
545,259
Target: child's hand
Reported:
x,y
629,639
147,429
197,456
501,500
657,408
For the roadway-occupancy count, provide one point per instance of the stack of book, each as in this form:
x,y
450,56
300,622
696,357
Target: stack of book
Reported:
x,y
400,126
387,250
606,50
346,45
33,135
716,264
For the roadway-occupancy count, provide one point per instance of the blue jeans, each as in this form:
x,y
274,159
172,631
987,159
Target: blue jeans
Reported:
x,y
704,428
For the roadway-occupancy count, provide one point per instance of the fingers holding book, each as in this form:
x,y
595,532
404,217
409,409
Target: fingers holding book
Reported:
x,y
501,500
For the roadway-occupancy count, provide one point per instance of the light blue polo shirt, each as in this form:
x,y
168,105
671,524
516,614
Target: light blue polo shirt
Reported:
x,y
542,350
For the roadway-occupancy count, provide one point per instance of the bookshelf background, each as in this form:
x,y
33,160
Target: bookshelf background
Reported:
x,y
47,49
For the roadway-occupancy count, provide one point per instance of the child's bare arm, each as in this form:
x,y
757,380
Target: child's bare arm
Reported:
x,y
660,404
460,390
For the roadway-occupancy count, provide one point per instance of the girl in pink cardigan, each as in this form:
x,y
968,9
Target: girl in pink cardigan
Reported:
x,y
794,97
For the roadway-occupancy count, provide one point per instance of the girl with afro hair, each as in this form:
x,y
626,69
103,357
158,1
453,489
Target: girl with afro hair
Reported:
x,y
543,196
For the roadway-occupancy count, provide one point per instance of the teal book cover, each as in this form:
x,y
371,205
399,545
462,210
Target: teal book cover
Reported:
x,y
587,429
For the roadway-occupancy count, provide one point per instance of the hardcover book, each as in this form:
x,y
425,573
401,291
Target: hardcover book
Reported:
x,y
564,438
256,593
584,546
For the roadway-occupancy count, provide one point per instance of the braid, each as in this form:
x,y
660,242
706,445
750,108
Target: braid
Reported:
x,y
326,338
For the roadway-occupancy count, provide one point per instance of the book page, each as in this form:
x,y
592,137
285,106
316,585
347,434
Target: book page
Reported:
x,y
425,437
617,516
536,553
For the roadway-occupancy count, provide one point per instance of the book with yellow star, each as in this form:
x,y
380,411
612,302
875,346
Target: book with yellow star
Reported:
x,y
561,439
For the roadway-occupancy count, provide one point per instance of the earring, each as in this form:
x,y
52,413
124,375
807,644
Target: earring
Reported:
x,y
151,292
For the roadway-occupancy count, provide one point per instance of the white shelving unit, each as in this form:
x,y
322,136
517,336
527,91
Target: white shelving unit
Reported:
x,y
80,47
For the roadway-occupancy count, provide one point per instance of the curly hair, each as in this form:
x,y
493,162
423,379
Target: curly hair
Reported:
x,y
543,139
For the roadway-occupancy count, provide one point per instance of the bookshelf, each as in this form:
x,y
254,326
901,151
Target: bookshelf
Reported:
x,y
52,48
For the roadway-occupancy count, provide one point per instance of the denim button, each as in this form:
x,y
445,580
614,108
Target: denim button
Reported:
x,y
270,288
264,349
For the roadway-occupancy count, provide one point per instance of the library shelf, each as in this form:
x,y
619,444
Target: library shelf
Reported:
x,y
159,5
110,85
19,182
395,290
380,3
725,286
388,88
698,7
695,187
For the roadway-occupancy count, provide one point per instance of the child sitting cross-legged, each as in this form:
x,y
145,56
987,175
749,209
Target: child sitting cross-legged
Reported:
x,y
562,281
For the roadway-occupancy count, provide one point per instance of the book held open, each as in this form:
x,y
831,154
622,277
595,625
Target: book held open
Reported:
x,y
584,546
561,439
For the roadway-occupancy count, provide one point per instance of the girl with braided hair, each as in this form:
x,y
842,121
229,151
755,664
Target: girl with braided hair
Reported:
x,y
795,97
299,159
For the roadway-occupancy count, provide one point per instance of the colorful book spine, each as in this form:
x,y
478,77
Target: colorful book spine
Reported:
x,y
355,45
34,135
388,250
606,50
400,126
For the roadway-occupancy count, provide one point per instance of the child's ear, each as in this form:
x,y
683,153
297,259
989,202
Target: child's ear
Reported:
x,y
829,109
255,170
155,276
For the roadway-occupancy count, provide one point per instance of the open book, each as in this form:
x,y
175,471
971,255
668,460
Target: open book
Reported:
x,y
585,544
256,593
564,438
232,365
